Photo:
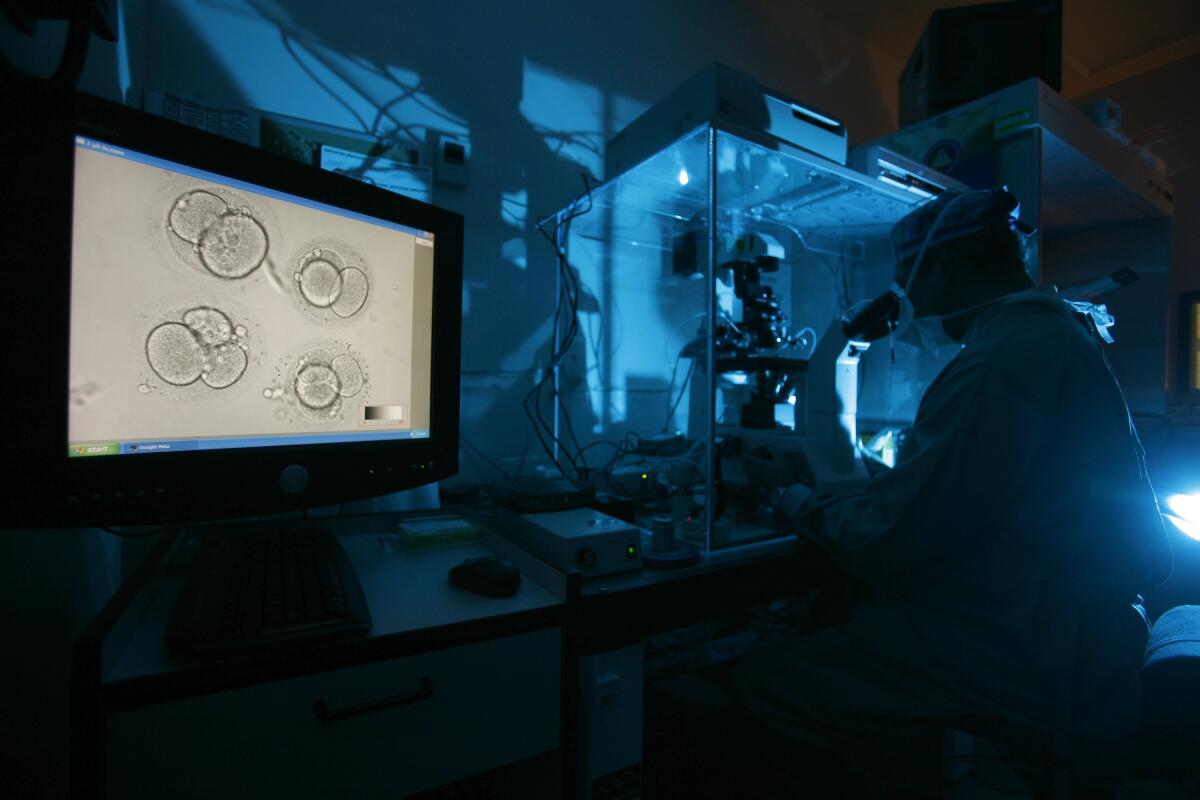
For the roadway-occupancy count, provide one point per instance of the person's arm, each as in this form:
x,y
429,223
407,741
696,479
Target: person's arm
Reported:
x,y
972,438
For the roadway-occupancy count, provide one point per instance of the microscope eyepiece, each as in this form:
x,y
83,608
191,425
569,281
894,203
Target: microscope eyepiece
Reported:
x,y
874,320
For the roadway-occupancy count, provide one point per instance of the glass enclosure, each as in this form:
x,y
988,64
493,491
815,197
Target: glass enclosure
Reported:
x,y
709,373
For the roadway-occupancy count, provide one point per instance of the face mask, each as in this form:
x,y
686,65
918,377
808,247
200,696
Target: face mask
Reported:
x,y
925,333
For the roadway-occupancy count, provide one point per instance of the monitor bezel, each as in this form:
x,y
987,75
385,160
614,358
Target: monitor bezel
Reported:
x,y
176,487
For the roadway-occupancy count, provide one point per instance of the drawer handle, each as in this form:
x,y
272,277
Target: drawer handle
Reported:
x,y
324,713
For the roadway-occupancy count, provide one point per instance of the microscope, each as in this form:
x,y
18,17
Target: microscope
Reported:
x,y
785,410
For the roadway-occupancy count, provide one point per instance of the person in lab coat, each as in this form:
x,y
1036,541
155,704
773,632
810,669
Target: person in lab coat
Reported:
x,y
995,571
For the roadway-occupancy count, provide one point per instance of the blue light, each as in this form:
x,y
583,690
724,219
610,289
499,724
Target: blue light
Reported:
x,y
683,177
1185,513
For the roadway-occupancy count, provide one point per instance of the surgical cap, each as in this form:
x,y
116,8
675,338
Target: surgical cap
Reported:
x,y
971,212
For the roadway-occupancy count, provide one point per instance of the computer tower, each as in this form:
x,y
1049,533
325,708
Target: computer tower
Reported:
x,y
966,53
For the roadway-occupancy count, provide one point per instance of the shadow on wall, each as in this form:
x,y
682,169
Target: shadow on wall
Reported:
x,y
388,74
537,89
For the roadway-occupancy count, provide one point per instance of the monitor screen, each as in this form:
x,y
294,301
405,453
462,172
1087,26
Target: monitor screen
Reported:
x,y
1189,342
210,313
215,331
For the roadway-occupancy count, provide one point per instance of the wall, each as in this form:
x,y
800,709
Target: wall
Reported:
x,y
1158,107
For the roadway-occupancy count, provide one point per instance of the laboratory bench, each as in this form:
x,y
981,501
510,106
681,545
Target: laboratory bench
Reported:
x,y
609,618
446,685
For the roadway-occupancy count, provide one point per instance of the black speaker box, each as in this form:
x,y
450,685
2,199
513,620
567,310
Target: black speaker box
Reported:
x,y
972,51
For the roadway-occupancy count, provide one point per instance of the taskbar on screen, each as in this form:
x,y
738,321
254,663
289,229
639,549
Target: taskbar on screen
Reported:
x,y
87,449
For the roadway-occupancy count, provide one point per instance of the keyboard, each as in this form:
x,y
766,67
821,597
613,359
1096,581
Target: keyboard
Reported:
x,y
254,589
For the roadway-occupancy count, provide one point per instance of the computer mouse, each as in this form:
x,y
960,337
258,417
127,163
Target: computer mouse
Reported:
x,y
490,575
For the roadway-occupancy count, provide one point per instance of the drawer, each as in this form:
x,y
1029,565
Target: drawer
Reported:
x,y
446,715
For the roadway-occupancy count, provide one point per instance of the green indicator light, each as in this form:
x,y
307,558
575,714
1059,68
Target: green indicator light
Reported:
x,y
631,550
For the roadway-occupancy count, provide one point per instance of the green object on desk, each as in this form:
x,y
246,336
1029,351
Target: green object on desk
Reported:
x,y
420,532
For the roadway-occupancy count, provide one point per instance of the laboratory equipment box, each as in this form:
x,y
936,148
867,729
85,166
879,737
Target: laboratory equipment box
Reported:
x,y
707,372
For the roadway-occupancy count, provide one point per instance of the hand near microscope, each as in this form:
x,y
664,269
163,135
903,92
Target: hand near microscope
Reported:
x,y
796,509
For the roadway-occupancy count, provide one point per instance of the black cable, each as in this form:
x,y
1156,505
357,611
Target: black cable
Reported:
x,y
74,54
405,93
288,45
484,456
600,443
532,403
538,432
626,448
682,392
580,463
566,302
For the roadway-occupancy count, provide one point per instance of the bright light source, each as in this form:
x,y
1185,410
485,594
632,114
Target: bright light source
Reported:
x,y
1185,513
683,177
791,399
1191,529
1185,505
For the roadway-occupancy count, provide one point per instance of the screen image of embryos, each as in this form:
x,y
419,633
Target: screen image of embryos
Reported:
x,y
204,345
200,309
229,241
323,383
326,279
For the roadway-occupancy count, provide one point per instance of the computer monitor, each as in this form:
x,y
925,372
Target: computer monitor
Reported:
x,y
215,331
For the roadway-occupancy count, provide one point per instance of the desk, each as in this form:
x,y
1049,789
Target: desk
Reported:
x,y
609,617
148,725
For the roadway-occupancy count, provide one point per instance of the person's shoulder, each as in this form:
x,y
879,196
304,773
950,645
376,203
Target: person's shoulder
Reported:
x,y
1032,347
1029,334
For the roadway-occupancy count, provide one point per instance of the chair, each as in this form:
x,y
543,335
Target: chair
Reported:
x,y
1170,734
1166,747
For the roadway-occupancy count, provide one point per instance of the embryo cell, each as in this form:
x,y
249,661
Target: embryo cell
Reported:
x,y
325,280
205,346
175,353
194,213
317,386
233,246
320,283
225,366
353,294
349,374
211,325
229,241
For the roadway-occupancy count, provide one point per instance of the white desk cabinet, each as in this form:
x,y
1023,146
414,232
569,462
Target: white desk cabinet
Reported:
x,y
447,685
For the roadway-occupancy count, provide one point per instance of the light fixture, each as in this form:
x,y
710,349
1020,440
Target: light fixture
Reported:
x,y
1185,513
683,177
